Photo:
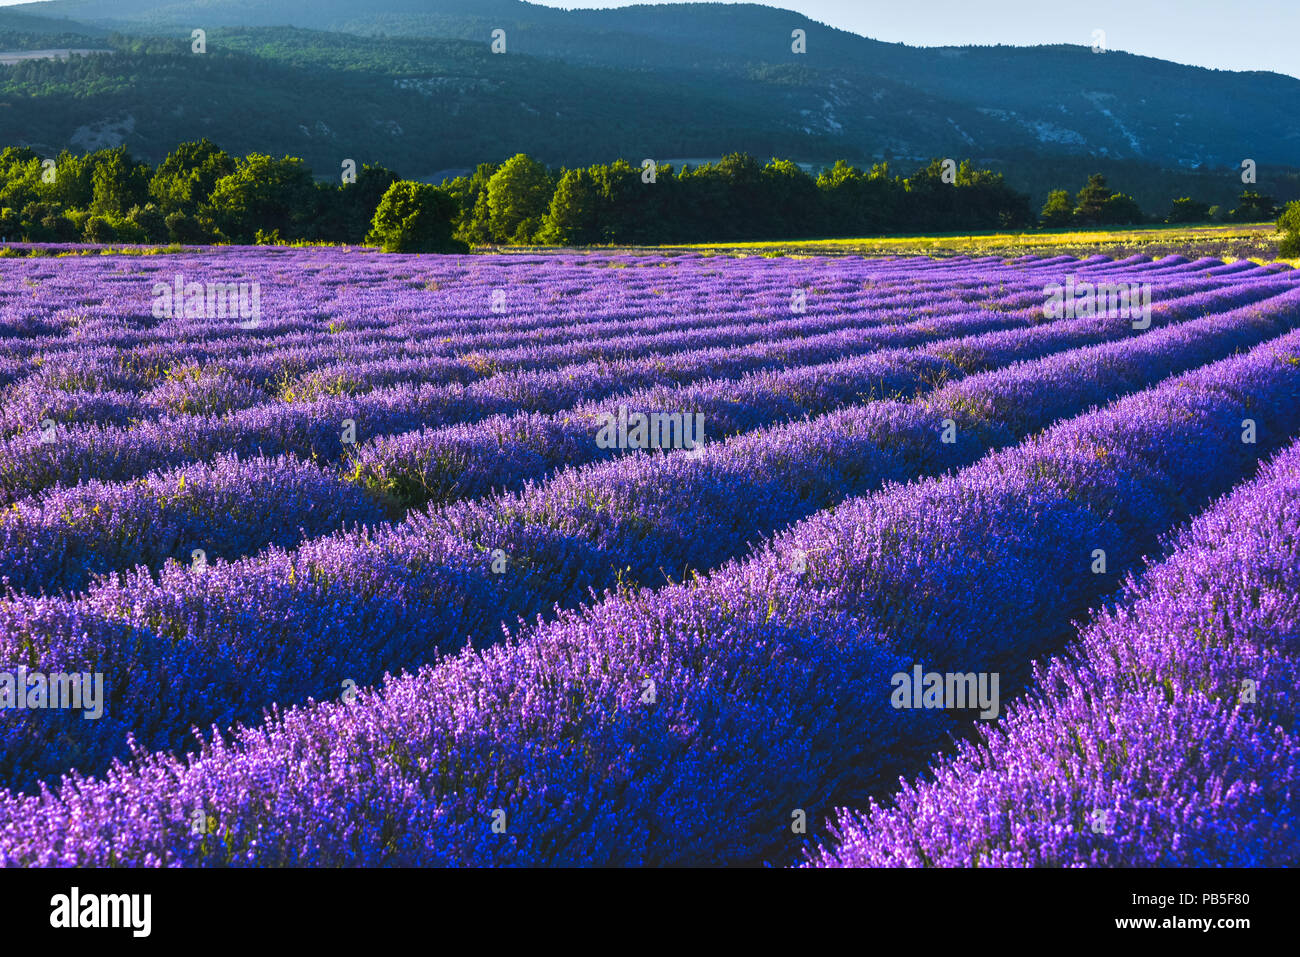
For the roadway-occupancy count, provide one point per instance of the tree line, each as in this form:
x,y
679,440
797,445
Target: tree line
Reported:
x,y
201,194
1096,204
736,198
197,194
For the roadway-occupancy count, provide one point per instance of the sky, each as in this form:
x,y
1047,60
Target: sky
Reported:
x,y
1221,34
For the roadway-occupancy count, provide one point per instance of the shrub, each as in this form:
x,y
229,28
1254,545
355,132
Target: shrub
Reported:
x,y
415,218
1058,210
184,228
1188,210
149,220
1289,225
98,230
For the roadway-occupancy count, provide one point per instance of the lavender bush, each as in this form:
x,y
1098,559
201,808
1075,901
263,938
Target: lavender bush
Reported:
x,y
369,542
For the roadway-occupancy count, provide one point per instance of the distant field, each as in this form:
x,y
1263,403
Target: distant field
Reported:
x,y
10,57
1258,241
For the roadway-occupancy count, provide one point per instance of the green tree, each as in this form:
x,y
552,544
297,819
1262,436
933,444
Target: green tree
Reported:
x,y
1188,210
11,224
1058,211
518,199
855,203
74,180
1121,210
931,203
183,227
118,183
356,202
46,223
1254,207
790,200
268,194
20,178
1289,225
969,198
723,200
149,221
99,230
985,200
574,217
184,180
839,187
415,218
631,209
1090,204
470,193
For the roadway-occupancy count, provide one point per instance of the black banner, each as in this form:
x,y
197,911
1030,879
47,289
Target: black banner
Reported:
x,y
361,908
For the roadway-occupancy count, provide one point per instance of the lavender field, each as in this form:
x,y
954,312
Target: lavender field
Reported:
x,y
325,557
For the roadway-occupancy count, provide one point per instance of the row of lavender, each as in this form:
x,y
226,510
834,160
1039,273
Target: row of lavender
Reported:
x,y
369,316
1166,737
613,734
78,384
288,625
49,304
206,637
127,354
60,538
82,364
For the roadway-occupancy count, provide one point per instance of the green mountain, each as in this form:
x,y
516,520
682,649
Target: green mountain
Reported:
x,y
414,85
